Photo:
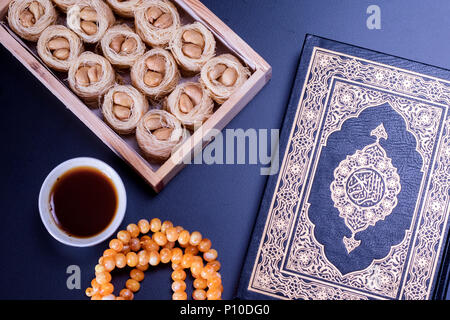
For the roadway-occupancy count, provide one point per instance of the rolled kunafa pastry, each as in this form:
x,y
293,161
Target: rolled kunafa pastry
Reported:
x,y
121,46
155,73
64,4
190,104
159,134
156,22
222,75
90,19
192,46
123,107
58,47
90,77
29,18
124,8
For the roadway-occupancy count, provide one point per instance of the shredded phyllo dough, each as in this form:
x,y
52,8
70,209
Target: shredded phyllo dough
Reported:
x,y
122,46
90,76
123,107
58,46
156,22
29,18
222,75
90,19
190,104
155,73
124,8
159,133
192,46
64,4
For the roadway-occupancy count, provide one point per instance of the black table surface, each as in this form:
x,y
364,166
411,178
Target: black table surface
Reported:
x,y
221,201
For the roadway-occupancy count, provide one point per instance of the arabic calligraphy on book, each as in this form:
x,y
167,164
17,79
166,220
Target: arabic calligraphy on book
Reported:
x,y
365,188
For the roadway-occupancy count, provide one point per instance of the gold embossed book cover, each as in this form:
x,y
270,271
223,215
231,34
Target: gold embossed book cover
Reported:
x,y
360,206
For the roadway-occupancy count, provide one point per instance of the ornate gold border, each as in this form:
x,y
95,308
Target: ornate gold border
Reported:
x,y
267,277
383,276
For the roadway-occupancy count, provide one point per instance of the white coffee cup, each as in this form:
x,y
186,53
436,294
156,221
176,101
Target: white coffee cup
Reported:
x,y
45,210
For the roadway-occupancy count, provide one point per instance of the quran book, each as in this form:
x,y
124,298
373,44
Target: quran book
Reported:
x,y
360,206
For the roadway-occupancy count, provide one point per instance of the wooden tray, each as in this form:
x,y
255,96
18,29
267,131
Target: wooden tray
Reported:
x,y
157,175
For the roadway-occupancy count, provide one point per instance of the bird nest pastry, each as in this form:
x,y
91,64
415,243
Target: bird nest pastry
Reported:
x,y
58,46
192,46
159,134
29,18
90,76
155,73
156,22
122,46
222,75
90,19
190,104
124,8
123,107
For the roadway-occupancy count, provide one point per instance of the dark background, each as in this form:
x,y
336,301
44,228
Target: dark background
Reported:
x,y
220,201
